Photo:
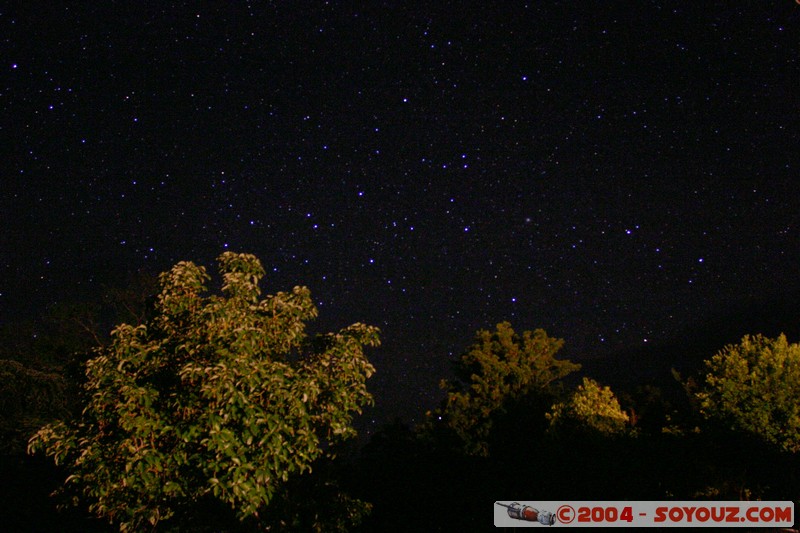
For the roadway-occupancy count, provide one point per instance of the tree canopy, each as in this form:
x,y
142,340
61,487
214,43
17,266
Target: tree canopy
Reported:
x,y
592,407
221,397
754,386
499,367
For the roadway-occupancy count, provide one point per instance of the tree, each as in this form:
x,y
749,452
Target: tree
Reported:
x,y
591,406
754,386
28,399
221,398
498,368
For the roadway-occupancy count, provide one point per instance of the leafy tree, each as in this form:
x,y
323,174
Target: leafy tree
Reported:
x,y
498,368
755,386
591,406
215,398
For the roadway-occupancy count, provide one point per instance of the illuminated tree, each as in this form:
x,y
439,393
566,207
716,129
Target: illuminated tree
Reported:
x,y
215,398
754,386
591,406
498,368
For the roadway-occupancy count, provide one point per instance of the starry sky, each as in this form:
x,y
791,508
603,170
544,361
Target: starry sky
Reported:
x,y
613,172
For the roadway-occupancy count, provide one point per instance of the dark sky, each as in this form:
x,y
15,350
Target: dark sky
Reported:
x,y
613,172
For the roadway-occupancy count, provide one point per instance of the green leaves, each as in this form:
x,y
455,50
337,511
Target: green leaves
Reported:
x,y
499,367
592,407
241,274
215,395
754,386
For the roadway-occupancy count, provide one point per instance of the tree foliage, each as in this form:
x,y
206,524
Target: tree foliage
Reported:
x,y
591,406
499,367
223,397
755,386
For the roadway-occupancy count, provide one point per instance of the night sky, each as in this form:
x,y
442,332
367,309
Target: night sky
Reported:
x,y
613,172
